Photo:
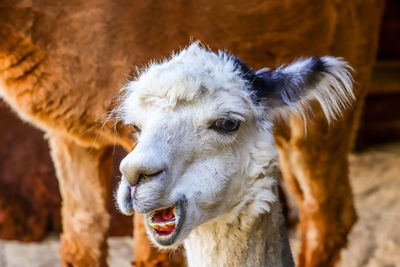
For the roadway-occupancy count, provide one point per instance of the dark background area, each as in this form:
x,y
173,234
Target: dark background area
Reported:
x,y
380,122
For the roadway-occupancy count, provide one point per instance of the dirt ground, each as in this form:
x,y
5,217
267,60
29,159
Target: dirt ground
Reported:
x,y
374,241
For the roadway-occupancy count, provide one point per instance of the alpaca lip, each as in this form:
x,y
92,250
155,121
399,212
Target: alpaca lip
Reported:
x,y
132,190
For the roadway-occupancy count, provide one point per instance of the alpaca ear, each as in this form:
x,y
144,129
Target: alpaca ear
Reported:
x,y
289,89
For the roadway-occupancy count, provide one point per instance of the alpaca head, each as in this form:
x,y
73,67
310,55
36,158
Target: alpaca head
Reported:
x,y
204,141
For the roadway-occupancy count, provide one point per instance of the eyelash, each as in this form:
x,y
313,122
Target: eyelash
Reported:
x,y
227,125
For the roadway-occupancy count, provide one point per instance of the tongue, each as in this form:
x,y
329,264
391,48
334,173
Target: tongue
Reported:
x,y
164,215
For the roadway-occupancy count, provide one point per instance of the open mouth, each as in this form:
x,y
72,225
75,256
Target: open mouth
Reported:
x,y
166,225
163,221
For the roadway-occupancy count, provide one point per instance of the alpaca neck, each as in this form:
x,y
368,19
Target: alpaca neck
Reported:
x,y
225,242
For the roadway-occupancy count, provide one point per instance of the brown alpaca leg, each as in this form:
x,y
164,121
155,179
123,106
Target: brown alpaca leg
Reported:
x,y
147,255
316,169
84,179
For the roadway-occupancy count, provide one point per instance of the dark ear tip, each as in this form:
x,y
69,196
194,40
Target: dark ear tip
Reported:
x,y
317,64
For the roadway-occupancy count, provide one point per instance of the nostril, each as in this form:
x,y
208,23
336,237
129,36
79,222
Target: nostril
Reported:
x,y
153,174
142,177
148,175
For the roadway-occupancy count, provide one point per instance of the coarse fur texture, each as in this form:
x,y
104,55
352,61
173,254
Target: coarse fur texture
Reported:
x,y
226,179
325,79
61,64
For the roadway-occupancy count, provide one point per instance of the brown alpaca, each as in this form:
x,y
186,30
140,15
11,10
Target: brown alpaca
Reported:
x,y
62,64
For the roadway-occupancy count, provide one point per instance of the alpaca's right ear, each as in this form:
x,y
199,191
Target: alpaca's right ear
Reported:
x,y
291,88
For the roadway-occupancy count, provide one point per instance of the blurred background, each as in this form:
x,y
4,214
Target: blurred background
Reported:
x,y
30,199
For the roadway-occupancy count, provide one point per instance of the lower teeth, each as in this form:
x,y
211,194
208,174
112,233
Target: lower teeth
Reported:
x,y
163,226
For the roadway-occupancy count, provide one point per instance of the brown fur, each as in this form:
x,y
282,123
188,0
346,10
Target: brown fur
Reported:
x,y
61,65
84,175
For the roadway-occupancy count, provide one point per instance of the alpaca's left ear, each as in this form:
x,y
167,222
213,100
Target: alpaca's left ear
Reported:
x,y
291,88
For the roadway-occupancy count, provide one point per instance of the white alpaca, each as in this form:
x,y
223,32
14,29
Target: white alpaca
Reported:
x,y
204,168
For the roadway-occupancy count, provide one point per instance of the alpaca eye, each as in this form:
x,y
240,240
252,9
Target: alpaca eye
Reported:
x,y
137,129
226,125
133,127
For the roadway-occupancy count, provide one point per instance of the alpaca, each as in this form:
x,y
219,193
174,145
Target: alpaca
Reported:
x,y
61,64
204,167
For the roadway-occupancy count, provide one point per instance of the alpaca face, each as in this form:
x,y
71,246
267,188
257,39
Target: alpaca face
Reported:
x,y
190,160
204,143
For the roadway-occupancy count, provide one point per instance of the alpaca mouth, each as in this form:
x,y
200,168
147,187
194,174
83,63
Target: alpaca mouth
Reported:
x,y
165,224
163,221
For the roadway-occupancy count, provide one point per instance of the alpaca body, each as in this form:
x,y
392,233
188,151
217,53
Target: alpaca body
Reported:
x,y
61,64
